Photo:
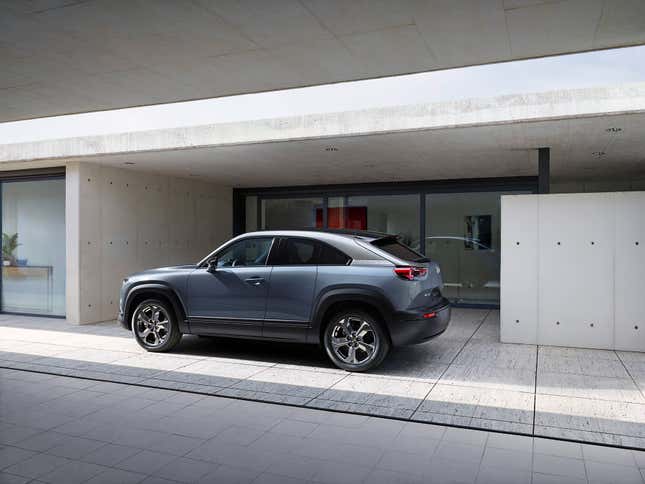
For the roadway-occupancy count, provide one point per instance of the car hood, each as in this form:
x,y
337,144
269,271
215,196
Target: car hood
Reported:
x,y
165,270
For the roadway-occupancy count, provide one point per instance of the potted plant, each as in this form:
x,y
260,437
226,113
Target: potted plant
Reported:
x,y
9,246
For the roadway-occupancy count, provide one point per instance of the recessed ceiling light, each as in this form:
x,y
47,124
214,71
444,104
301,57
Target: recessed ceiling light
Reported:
x,y
598,154
331,148
614,129
129,163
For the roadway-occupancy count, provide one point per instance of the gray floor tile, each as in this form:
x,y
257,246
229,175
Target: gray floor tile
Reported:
x,y
75,447
110,454
561,466
185,470
497,475
341,473
294,428
268,478
609,455
382,476
557,448
74,472
511,460
539,478
37,465
12,455
117,476
13,479
404,462
145,462
599,472
231,475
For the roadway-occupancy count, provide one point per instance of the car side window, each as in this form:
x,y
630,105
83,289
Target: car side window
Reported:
x,y
246,253
297,252
331,257
302,252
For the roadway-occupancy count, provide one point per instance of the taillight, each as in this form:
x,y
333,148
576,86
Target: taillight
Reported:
x,y
409,272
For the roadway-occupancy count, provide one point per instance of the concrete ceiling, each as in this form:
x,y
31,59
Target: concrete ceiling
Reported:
x,y
582,148
64,56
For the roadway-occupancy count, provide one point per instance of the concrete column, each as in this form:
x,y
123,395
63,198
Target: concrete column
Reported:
x,y
72,238
124,221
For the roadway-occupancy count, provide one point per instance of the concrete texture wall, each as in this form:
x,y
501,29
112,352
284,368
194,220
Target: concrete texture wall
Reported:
x,y
572,270
122,221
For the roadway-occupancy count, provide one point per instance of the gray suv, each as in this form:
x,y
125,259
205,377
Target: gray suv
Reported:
x,y
356,293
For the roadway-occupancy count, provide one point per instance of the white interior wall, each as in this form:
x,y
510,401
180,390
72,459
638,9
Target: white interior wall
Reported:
x,y
122,221
572,270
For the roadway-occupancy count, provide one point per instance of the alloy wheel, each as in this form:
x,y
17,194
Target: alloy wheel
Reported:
x,y
354,341
152,325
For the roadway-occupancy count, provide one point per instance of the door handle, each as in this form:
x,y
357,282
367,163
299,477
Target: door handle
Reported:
x,y
254,281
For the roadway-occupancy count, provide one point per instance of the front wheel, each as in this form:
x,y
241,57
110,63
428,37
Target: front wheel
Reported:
x,y
155,327
355,341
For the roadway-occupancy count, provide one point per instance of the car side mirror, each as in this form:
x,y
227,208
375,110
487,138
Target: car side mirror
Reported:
x,y
212,265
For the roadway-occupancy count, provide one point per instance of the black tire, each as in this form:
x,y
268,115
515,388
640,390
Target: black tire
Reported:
x,y
146,310
341,357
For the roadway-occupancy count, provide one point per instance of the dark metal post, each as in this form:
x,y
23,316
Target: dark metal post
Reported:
x,y
544,161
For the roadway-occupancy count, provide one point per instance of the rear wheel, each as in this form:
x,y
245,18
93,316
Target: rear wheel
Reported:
x,y
154,326
355,341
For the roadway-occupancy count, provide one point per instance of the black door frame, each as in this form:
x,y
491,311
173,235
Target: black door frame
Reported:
x,y
54,173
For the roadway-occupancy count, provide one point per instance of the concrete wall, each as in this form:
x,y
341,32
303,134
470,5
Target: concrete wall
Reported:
x,y
122,221
572,270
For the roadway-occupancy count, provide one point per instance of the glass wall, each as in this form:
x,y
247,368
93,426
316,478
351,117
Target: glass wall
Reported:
x,y
463,235
458,226
33,246
391,214
291,213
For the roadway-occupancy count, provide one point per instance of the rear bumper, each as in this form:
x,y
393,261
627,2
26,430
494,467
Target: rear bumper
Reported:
x,y
410,327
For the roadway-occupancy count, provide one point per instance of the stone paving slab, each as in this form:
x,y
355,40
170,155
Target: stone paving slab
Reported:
x,y
465,377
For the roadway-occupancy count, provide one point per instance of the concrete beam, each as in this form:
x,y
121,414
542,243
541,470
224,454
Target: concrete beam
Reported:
x,y
511,109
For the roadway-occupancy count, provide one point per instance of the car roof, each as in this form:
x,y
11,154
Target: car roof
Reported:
x,y
325,234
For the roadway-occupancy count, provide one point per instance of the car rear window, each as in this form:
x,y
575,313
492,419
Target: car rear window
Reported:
x,y
397,249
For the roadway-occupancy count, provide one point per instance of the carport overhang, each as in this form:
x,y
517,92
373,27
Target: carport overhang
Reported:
x,y
592,134
61,57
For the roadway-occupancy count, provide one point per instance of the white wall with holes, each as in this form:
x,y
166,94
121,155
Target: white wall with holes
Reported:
x,y
123,221
573,270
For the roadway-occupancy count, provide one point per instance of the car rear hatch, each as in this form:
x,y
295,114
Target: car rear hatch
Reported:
x,y
422,275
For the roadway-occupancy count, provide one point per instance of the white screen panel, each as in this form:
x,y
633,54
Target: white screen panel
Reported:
x,y
576,273
630,271
519,277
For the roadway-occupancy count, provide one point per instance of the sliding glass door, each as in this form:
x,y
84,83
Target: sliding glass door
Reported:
x,y
33,247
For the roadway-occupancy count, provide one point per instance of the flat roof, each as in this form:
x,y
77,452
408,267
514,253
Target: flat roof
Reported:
x,y
68,57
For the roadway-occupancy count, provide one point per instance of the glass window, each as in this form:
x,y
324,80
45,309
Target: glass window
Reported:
x,y
463,236
390,214
331,257
291,213
245,253
33,247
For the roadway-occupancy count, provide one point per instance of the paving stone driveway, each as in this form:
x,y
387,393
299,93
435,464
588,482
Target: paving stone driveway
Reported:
x,y
464,377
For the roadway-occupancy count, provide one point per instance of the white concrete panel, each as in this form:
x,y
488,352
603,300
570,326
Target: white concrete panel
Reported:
x,y
590,260
519,269
576,249
124,221
630,272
